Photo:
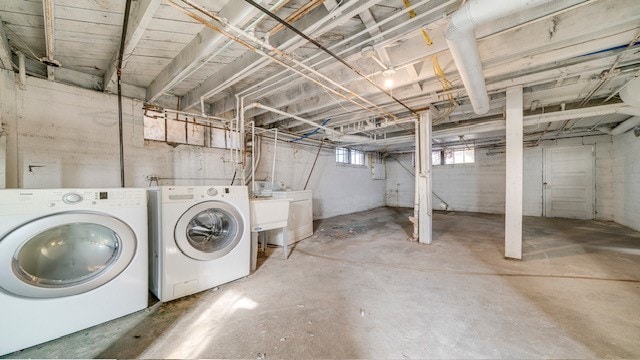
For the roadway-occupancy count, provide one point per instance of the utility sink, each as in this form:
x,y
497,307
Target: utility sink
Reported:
x,y
269,213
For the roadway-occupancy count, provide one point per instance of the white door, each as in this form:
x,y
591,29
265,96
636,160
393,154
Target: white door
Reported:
x,y
568,188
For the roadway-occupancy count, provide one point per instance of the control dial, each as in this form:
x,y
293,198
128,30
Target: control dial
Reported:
x,y
72,198
212,192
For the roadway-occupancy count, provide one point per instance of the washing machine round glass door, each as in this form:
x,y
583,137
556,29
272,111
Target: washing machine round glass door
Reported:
x,y
65,254
209,230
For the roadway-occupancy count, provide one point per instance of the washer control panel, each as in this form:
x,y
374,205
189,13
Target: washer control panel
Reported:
x,y
212,192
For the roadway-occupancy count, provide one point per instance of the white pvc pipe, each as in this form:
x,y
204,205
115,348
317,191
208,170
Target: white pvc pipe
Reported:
x,y
273,165
271,80
273,110
240,150
416,200
202,117
253,157
461,39
626,125
532,120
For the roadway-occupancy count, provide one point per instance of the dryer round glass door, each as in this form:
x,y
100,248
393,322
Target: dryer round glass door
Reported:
x,y
209,230
65,254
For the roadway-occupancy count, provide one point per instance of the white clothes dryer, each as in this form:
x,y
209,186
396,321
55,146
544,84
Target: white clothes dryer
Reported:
x,y
199,238
69,260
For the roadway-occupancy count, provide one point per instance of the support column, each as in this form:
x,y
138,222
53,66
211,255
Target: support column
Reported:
x,y
514,173
424,179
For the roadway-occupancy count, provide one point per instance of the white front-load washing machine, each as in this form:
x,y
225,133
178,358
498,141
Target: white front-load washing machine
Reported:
x,y
69,260
199,238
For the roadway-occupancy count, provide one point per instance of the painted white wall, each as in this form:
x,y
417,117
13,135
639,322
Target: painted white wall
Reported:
x,y
63,136
479,187
337,189
626,180
69,137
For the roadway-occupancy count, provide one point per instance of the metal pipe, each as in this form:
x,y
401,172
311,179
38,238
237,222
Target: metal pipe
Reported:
x,y
330,53
119,72
240,150
273,53
253,157
270,80
416,200
314,165
623,127
268,108
273,165
203,117
220,50
334,18
461,39
611,71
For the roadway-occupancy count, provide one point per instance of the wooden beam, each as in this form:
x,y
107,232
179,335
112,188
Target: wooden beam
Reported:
x,y
48,9
198,51
138,23
5,50
313,24
79,79
514,174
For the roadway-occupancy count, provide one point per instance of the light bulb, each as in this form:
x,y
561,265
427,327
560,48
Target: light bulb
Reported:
x,y
388,83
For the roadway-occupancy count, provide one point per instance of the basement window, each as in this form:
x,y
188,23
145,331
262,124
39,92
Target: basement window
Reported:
x,y
357,157
177,129
453,157
350,156
342,155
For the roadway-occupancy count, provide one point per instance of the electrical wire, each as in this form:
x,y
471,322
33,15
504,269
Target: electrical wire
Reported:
x,y
329,52
23,42
312,132
446,88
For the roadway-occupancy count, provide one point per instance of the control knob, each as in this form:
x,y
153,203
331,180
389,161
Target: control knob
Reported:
x,y
72,198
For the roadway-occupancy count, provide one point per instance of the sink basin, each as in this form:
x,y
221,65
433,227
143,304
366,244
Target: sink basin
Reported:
x,y
267,214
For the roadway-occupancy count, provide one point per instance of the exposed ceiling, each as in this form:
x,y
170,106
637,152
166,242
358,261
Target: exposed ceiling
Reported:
x,y
571,56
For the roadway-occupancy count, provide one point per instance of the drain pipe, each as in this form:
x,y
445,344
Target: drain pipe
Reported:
x,y
416,200
256,105
273,164
461,39
623,127
119,73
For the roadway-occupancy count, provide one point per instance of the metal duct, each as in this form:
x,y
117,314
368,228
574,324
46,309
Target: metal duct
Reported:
x,y
461,39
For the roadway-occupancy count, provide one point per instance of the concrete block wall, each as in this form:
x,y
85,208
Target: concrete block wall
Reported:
x,y
63,136
480,187
399,187
337,188
626,180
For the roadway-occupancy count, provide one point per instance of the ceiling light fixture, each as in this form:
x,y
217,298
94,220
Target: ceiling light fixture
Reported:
x,y
388,77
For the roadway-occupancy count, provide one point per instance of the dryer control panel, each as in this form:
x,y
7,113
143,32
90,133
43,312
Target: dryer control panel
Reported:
x,y
197,193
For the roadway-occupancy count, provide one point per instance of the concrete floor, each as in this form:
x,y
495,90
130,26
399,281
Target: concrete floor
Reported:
x,y
359,289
